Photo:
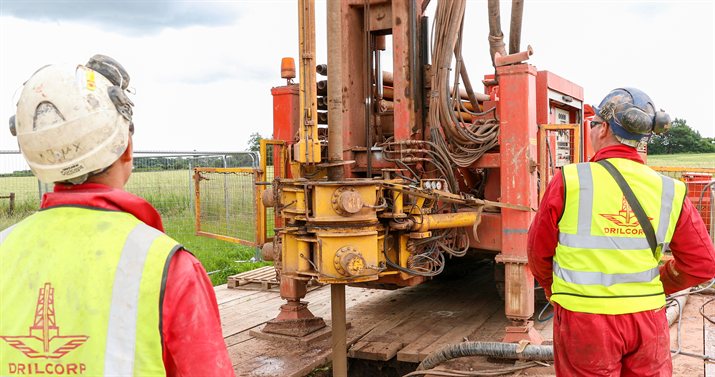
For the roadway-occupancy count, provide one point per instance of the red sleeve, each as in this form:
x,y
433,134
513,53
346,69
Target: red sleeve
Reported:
x,y
544,232
693,255
193,341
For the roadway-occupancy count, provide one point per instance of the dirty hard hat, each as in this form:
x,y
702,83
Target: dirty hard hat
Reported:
x,y
631,115
74,121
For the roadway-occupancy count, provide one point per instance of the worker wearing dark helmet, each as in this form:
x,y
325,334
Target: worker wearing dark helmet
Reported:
x,y
90,284
596,244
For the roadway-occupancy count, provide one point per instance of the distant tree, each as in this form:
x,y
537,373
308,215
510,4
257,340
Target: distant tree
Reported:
x,y
680,138
18,173
241,160
254,142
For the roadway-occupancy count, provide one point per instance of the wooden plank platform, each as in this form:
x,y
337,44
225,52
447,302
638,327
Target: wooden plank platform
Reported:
x,y
403,325
263,278
260,279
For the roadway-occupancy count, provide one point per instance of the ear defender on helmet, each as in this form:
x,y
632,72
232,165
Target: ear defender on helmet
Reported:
x,y
635,120
13,129
661,122
117,75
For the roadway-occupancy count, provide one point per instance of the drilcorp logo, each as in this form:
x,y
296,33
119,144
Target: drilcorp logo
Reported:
x,y
45,342
625,220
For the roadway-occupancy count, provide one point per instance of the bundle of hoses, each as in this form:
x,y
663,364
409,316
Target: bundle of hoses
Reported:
x,y
491,349
463,142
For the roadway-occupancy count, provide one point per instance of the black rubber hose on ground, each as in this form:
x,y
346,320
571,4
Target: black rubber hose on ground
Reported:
x,y
491,349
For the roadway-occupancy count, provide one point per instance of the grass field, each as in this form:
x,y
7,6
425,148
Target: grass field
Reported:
x,y
695,160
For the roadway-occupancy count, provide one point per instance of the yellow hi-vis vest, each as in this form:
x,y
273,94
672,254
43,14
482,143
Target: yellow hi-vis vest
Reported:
x,y
81,293
603,263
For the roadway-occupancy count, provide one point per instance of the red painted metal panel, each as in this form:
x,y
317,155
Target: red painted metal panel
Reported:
x,y
354,70
286,121
489,233
518,131
404,105
561,85
488,160
285,112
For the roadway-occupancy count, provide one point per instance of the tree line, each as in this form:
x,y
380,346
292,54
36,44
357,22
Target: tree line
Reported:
x,y
680,138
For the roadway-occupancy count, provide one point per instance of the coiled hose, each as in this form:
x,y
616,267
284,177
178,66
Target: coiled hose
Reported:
x,y
672,312
491,349
533,352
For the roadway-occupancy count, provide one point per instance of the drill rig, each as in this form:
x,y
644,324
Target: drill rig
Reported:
x,y
411,169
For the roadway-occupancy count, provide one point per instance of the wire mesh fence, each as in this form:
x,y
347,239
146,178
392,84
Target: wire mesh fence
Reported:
x,y
271,153
227,204
701,190
162,178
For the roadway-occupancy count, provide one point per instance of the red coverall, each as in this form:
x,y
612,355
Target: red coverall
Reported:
x,y
635,344
193,343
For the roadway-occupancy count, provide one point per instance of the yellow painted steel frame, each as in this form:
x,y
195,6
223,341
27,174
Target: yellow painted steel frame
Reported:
x,y
543,163
197,198
307,149
261,227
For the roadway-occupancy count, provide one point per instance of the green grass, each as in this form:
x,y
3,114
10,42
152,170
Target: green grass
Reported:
x,y
220,258
695,160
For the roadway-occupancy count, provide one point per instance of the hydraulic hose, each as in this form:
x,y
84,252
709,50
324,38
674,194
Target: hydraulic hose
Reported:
x,y
496,37
491,349
517,10
673,311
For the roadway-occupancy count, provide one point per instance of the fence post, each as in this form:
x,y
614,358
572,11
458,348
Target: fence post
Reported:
x,y
225,193
11,206
191,185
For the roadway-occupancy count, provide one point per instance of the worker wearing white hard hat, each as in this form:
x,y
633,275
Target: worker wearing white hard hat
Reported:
x,y
596,243
94,261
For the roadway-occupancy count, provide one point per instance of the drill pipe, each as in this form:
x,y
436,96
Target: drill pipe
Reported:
x,y
335,92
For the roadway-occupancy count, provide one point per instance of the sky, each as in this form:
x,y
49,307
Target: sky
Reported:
x,y
202,70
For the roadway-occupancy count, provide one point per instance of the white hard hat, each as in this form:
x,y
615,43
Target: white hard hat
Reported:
x,y
72,121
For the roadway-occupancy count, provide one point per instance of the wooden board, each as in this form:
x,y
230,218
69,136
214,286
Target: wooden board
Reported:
x,y
402,325
261,279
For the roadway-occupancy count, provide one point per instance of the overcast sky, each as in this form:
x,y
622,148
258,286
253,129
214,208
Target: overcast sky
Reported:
x,y
202,70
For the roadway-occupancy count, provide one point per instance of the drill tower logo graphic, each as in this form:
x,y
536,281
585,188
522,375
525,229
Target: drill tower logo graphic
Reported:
x,y
625,220
44,339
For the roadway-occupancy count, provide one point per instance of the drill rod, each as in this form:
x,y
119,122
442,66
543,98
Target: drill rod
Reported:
x,y
337,307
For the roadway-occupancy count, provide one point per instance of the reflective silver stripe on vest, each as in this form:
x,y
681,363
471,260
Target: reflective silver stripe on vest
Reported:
x,y
5,233
666,207
599,278
122,329
602,242
584,240
585,199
